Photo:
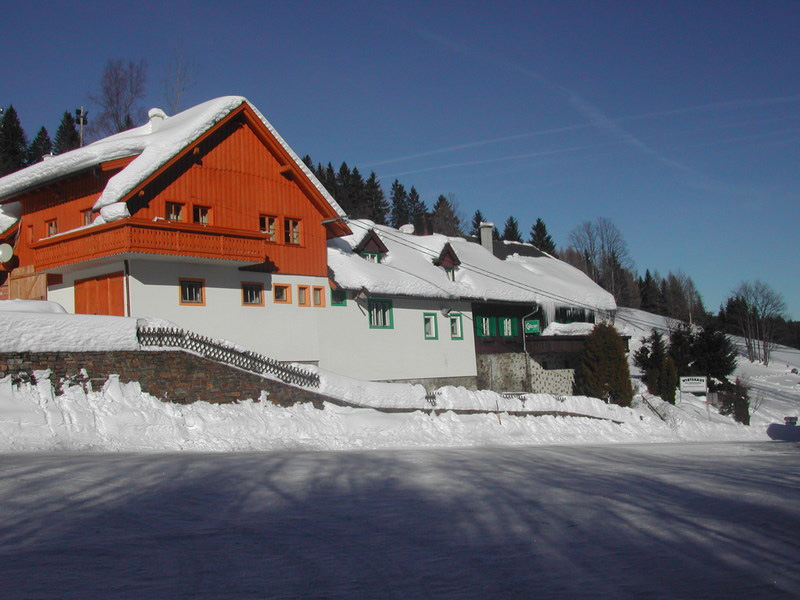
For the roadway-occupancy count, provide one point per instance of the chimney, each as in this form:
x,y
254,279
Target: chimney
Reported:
x,y
486,236
156,115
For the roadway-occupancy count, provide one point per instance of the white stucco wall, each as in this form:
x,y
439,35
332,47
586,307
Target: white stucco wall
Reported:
x,y
282,331
64,293
350,347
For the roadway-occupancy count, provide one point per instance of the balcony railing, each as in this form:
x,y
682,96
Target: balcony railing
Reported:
x,y
150,237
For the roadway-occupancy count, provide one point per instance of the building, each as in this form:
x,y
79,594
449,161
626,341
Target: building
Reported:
x,y
208,220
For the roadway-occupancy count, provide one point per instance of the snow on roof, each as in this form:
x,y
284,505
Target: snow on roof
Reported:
x,y
153,144
408,270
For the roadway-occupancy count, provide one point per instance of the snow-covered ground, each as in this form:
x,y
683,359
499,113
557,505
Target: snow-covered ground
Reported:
x,y
665,521
52,415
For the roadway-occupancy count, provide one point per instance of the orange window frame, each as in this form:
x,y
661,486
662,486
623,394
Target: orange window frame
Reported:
x,y
188,280
287,293
292,231
201,215
303,295
268,224
50,227
318,296
253,284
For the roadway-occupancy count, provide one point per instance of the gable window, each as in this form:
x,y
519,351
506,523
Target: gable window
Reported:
x,y
192,292
282,294
291,231
450,272
200,214
430,326
380,314
318,296
456,327
303,297
86,216
269,225
51,227
338,297
252,294
174,211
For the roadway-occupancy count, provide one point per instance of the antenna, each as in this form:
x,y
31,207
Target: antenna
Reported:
x,y
82,119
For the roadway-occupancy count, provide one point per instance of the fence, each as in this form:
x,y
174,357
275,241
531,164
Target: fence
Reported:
x,y
165,337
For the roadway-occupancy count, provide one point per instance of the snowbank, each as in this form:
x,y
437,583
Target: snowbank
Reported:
x,y
50,331
120,417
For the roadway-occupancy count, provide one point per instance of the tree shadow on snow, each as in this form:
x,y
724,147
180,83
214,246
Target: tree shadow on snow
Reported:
x,y
479,523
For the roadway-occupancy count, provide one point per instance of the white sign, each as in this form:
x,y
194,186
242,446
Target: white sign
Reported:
x,y
694,384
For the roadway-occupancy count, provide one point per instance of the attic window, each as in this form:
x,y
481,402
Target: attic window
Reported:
x,y
200,215
269,225
86,216
450,272
51,227
291,231
174,211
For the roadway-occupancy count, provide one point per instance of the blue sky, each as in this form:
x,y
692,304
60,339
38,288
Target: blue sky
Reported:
x,y
679,121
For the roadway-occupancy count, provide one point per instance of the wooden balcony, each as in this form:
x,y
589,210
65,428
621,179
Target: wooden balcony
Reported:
x,y
138,236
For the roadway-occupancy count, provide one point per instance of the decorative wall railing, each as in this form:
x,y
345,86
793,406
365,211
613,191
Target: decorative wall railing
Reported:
x,y
164,337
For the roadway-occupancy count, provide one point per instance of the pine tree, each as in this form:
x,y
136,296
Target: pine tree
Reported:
x,y
444,219
399,199
67,136
541,239
511,231
416,207
649,294
375,200
668,380
345,194
13,143
603,370
477,219
40,147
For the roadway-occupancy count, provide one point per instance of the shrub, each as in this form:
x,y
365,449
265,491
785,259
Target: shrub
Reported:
x,y
603,370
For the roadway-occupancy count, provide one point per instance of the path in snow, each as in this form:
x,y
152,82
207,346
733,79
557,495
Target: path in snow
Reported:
x,y
655,521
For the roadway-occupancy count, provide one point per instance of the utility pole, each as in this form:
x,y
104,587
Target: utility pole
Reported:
x,y
81,118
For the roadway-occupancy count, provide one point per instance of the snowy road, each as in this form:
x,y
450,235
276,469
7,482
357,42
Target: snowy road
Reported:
x,y
657,521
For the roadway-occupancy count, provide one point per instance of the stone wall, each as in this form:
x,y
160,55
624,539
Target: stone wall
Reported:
x,y
173,376
507,372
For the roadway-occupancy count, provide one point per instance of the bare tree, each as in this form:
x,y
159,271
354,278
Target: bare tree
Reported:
x,y
604,254
681,297
758,306
179,79
121,91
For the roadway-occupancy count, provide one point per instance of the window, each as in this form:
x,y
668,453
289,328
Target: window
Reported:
x,y
291,231
252,294
485,326
303,297
268,224
338,297
174,211
318,296
86,216
282,294
430,326
373,257
456,330
192,292
51,227
380,314
508,326
200,214
450,272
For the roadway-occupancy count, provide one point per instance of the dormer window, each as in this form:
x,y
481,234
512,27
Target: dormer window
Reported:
x,y
371,248
448,262
373,257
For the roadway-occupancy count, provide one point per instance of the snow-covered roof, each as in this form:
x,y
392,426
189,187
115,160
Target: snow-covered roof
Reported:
x,y
407,269
153,144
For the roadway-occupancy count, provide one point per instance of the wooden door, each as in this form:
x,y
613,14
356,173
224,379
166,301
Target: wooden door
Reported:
x,y
101,295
